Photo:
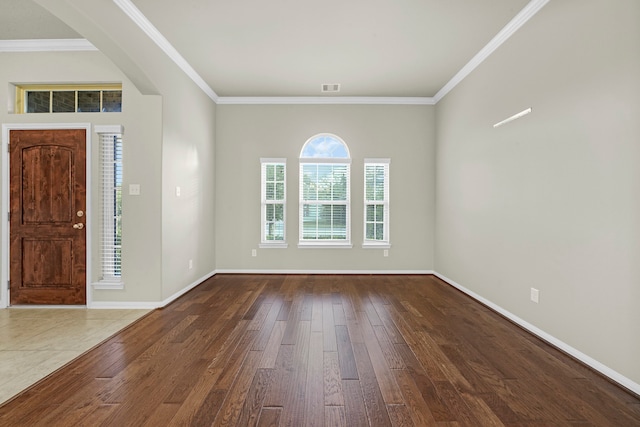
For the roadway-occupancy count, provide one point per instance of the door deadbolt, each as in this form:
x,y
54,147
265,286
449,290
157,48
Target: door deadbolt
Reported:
x,y
80,214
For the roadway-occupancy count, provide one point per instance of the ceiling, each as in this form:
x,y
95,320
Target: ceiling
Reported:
x,y
24,19
289,48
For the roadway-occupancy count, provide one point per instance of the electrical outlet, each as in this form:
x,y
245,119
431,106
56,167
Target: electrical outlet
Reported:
x,y
134,189
385,252
254,252
535,295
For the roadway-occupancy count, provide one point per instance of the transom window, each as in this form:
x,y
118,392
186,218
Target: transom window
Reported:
x,y
325,201
105,98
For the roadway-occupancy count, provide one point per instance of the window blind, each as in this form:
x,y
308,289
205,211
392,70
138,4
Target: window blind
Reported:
x,y
324,195
325,200
111,206
273,201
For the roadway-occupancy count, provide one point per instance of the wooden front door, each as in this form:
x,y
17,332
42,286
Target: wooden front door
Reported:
x,y
47,216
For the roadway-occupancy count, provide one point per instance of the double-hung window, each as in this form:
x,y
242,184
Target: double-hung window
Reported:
x,y
325,204
376,203
273,203
110,141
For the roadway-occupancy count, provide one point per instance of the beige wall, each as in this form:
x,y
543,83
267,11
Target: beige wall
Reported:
x,y
188,162
405,134
183,136
551,201
141,118
168,142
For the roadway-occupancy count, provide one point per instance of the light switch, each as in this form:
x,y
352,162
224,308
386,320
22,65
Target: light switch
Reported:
x,y
134,189
177,191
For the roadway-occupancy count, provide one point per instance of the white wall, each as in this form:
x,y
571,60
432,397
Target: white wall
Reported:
x,y
551,201
403,133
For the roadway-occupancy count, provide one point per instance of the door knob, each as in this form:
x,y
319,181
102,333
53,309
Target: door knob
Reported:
x,y
78,226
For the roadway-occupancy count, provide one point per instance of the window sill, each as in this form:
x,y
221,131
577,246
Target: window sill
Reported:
x,y
273,245
328,245
376,245
108,284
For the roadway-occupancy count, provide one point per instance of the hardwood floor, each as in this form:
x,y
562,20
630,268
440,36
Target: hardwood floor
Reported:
x,y
298,350
36,341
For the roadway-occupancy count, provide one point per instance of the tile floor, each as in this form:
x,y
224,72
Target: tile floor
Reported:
x,y
36,341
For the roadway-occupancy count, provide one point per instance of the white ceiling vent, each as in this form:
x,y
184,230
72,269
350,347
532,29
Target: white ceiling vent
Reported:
x,y
330,87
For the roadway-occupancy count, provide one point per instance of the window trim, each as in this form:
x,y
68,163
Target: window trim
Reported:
x,y
272,244
111,281
386,242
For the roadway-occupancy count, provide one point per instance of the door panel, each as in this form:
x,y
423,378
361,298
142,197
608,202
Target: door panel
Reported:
x,y
47,237
47,193
46,257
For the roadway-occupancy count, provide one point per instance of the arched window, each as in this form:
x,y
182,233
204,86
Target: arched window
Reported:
x,y
325,199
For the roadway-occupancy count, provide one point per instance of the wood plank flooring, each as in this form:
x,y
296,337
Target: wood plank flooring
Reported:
x,y
322,350
36,341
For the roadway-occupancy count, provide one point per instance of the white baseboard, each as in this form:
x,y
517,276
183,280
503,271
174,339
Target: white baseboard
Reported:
x,y
587,360
248,271
181,292
128,305
149,305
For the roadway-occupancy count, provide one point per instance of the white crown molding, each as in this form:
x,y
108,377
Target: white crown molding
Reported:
x,y
518,21
550,339
150,30
46,45
514,25
324,100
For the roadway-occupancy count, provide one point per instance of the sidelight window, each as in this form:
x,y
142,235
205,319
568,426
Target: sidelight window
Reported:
x,y
111,205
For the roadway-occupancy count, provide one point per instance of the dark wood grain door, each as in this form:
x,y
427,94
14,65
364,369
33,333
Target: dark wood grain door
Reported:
x,y
47,216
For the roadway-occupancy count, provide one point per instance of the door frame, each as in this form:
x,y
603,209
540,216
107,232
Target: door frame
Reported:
x,y
4,190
